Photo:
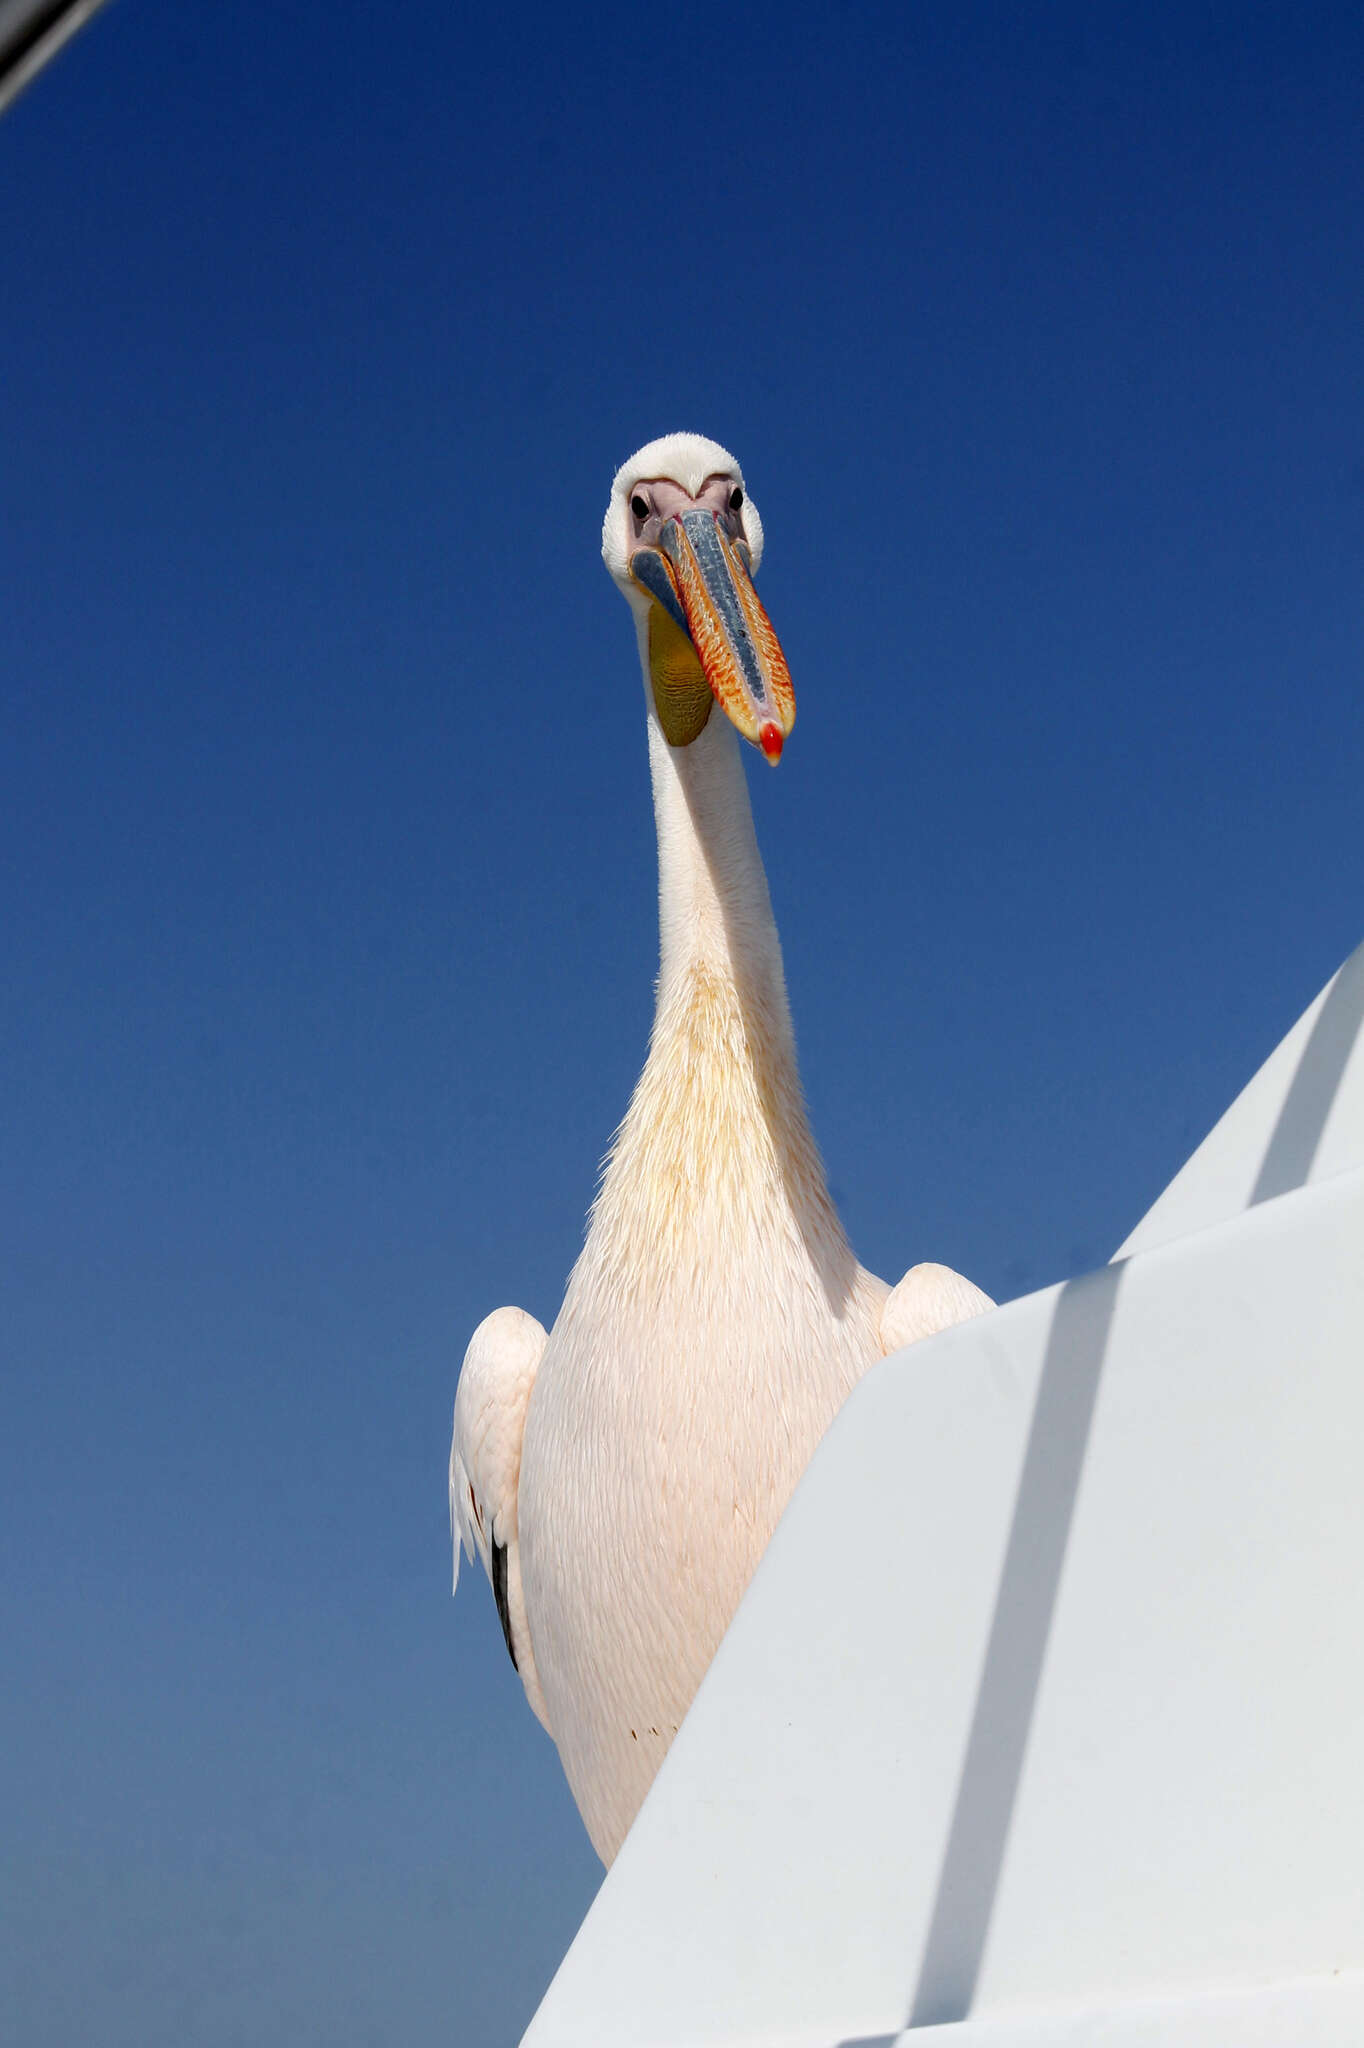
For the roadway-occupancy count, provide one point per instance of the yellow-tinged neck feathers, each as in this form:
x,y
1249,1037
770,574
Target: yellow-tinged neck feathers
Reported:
x,y
715,1163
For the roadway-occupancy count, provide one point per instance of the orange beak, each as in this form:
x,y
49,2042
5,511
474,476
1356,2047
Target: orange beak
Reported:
x,y
739,652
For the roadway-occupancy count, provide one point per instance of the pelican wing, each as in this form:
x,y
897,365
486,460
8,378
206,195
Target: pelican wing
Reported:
x,y
494,1390
929,1298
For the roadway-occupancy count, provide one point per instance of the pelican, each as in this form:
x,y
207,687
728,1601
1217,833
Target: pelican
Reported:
x,y
620,1477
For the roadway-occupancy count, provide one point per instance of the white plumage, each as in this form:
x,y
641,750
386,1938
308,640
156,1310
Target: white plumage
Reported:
x,y
621,1477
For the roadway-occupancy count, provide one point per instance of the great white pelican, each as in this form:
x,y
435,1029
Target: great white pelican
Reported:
x,y
620,1477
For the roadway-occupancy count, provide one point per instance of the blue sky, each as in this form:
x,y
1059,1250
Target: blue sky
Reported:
x,y
328,871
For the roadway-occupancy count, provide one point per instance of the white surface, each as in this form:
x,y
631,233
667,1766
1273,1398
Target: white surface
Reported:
x,y
1328,2012
1299,1120
1047,1693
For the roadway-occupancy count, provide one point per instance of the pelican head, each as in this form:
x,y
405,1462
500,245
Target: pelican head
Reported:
x,y
683,540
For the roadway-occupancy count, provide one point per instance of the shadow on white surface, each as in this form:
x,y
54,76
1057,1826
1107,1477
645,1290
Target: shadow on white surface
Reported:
x,y
1311,1096
993,1765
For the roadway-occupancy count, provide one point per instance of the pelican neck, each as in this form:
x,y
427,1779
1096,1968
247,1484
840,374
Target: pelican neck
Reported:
x,y
715,911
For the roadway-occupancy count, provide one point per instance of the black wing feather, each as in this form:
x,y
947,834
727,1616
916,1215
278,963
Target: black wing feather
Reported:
x,y
499,1557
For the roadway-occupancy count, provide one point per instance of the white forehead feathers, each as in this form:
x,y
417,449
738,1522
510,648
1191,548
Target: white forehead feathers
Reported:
x,y
688,459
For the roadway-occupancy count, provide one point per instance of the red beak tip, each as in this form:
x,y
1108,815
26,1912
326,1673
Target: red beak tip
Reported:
x,y
770,740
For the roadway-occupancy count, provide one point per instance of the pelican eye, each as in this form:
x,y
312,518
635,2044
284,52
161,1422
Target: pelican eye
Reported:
x,y
639,506
736,499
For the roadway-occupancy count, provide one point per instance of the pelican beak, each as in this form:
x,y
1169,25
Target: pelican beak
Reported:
x,y
713,596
